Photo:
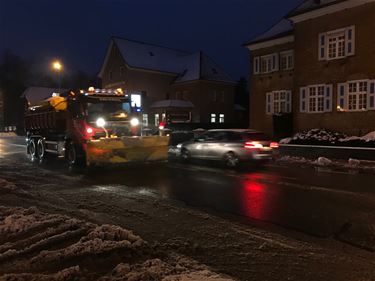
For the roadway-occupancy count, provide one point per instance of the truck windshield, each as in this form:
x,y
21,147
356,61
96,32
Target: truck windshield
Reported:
x,y
107,109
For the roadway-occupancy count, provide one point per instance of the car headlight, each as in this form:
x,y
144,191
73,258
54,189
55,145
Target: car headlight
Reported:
x,y
179,145
100,122
134,122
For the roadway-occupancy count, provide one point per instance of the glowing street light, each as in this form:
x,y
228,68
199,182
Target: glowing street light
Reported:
x,y
57,66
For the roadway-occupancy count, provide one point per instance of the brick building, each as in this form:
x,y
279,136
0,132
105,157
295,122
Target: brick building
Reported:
x,y
315,69
190,87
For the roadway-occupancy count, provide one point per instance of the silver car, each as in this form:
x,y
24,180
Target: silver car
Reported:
x,y
232,146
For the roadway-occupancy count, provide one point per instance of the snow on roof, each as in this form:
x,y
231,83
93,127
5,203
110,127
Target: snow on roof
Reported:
x,y
172,103
186,65
309,5
36,94
283,27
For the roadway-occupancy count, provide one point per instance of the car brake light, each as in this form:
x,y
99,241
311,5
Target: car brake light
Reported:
x,y
253,144
89,130
274,145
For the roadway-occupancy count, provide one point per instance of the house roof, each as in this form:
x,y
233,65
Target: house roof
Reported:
x,y
187,66
34,95
310,5
172,103
282,28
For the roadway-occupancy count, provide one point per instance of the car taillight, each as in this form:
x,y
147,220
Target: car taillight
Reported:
x,y
253,144
89,131
274,145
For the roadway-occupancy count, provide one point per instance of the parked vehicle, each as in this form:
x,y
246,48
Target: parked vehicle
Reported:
x,y
89,128
231,146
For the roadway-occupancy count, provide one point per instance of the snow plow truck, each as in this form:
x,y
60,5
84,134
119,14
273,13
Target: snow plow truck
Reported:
x,y
88,128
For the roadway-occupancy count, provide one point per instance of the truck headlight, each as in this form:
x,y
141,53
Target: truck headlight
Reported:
x,y
134,122
100,122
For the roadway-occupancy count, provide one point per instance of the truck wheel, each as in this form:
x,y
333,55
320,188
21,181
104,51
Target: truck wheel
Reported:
x,y
32,150
41,149
72,156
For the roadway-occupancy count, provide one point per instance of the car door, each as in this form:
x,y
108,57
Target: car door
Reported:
x,y
214,148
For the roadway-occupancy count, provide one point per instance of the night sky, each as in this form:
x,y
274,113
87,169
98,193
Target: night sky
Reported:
x,y
78,31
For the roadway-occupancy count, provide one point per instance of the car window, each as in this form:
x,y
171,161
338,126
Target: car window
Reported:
x,y
234,136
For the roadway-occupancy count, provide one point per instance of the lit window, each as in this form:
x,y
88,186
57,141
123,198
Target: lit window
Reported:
x,y
221,118
135,100
145,119
157,120
163,117
213,118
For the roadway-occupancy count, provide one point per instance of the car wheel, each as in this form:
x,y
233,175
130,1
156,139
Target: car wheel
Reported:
x,y
185,155
231,160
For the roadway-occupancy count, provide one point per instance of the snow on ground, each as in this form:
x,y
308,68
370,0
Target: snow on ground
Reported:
x,y
322,161
40,246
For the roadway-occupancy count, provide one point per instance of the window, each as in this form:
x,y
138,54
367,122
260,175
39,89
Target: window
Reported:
x,y
357,95
316,98
213,118
214,96
286,60
178,95
122,71
163,117
266,64
278,102
145,120
157,120
221,118
136,100
110,75
337,44
222,96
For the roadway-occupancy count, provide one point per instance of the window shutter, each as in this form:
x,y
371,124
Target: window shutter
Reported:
x,y
350,41
371,95
303,100
322,46
256,65
288,101
341,99
275,62
328,98
269,102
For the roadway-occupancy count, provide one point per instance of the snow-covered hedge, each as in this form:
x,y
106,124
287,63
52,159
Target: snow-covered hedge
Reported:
x,y
330,138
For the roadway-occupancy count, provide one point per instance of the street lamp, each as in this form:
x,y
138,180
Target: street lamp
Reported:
x,y
57,66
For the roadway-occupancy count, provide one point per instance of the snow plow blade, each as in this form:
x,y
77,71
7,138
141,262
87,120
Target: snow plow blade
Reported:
x,y
127,150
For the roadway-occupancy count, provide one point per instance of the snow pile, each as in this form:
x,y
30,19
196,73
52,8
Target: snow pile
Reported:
x,y
322,161
68,274
6,186
33,243
330,138
315,137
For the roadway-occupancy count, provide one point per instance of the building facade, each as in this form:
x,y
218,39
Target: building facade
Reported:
x,y
156,75
317,66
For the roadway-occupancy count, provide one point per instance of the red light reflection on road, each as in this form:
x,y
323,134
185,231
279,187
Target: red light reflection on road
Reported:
x,y
255,196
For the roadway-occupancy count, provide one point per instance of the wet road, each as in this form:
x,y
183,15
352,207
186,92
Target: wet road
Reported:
x,y
321,203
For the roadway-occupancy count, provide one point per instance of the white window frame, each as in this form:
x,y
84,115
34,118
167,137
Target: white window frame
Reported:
x,y
221,118
277,102
318,98
213,118
322,96
345,36
357,89
145,119
289,57
268,64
